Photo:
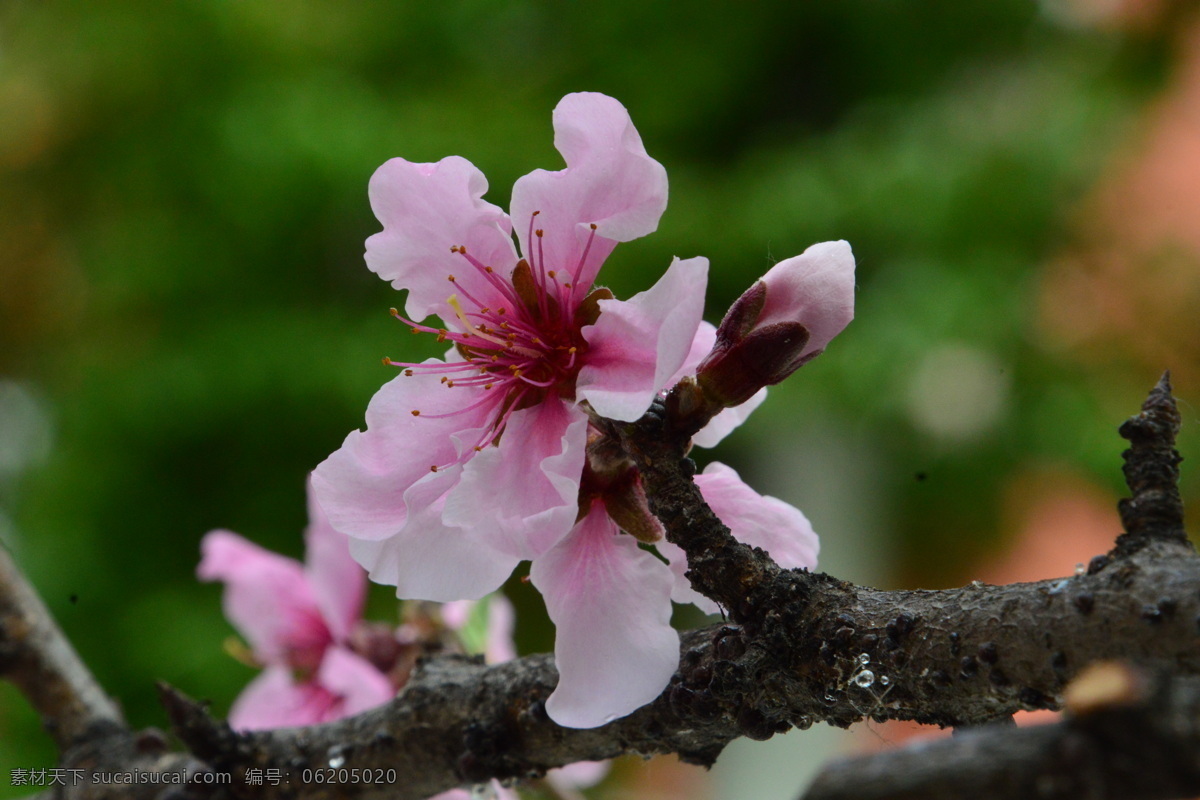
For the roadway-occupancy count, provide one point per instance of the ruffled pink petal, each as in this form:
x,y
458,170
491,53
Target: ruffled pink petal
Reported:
x,y
728,420
361,487
759,520
356,683
267,598
816,289
637,345
702,343
429,560
338,583
426,209
609,181
610,603
274,700
682,591
753,519
523,494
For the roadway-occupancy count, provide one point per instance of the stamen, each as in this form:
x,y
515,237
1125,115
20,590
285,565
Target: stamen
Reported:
x,y
543,306
583,258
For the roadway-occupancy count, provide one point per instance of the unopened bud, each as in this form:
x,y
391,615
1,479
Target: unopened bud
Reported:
x,y
781,322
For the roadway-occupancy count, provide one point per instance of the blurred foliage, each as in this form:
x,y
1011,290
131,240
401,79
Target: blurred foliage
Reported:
x,y
183,206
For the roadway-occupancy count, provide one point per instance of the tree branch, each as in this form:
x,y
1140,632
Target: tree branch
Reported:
x,y
1139,741
39,660
800,648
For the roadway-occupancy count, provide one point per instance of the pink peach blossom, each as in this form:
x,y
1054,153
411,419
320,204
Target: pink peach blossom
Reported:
x,y
298,620
470,465
498,453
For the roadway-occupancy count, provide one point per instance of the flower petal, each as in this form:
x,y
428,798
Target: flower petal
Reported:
x,y
356,683
816,289
759,520
426,209
523,494
702,344
274,700
610,602
267,598
361,487
609,181
429,560
682,591
727,420
637,345
338,583
753,519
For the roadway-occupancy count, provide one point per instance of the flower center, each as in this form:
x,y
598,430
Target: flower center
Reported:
x,y
518,353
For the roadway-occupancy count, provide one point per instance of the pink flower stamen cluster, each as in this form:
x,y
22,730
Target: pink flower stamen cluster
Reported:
x,y
520,352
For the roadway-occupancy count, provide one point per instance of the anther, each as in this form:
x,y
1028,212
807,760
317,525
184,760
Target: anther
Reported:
x,y
433,467
488,269
488,385
444,379
534,214
408,373
450,278
593,226
552,273
416,413
387,362
449,384
539,233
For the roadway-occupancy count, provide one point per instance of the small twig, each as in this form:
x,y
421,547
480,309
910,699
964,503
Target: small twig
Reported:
x,y
1155,511
36,656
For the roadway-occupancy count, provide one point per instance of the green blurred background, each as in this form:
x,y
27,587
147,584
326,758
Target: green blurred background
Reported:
x,y
187,326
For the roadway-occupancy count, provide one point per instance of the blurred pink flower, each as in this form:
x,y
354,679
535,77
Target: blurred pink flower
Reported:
x,y
299,621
